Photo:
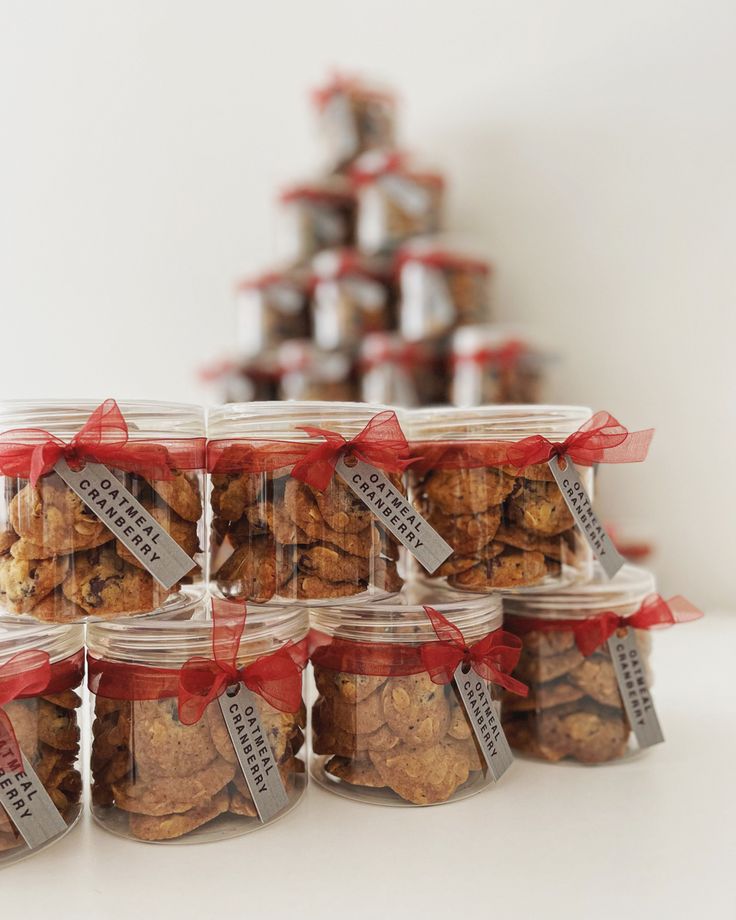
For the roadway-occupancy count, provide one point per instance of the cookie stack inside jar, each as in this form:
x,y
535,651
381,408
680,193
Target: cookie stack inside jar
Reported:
x,y
510,528
198,720
276,534
387,727
102,508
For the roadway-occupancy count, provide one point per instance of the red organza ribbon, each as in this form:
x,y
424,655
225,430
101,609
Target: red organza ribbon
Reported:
x,y
30,453
381,443
276,677
30,674
602,439
493,657
592,632
506,356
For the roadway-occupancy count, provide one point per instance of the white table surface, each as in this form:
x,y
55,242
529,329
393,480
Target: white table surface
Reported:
x,y
648,838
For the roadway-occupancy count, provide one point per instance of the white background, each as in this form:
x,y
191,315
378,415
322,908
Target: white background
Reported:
x,y
590,147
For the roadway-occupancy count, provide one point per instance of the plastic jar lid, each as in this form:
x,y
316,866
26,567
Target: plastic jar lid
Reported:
x,y
169,638
64,418
282,420
623,594
403,619
434,253
496,423
59,642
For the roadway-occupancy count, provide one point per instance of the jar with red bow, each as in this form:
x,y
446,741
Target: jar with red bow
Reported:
x,y
389,724
396,200
354,116
285,523
41,672
270,308
316,215
102,507
492,364
575,640
351,297
508,524
441,286
198,721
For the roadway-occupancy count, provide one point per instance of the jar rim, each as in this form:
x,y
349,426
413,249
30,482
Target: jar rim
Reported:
x,y
495,422
169,637
623,593
22,634
64,417
385,621
279,420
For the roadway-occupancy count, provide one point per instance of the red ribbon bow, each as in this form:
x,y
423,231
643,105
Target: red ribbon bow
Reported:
x,y
32,452
493,657
381,444
276,677
655,612
602,439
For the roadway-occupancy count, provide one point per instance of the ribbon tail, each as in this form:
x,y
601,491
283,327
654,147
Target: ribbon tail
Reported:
x,y
10,752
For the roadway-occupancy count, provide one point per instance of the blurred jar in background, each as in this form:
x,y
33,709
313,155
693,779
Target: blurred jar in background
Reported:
x,y
307,372
491,365
395,372
354,116
317,215
256,380
351,296
441,287
396,201
269,309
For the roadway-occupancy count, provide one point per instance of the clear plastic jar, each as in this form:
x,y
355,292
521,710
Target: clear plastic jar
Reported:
x,y
400,373
491,364
245,381
354,117
440,288
351,297
307,372
46,724
60,562
574,710
510,529
270,309
155,778
318,215
398,740
273,536
395,201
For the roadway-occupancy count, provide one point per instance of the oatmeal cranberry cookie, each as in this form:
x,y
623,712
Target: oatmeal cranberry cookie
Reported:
x,y
24,583
102,583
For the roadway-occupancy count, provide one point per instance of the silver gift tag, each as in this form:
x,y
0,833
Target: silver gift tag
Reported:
x,y
632,684
483,716
250,741
394,512
129,521
26,802
581,508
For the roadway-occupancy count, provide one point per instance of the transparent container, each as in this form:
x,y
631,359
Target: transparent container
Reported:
x,y
59,562
399,373
46,725
493,365
510,529
574,711
396,201
307,372
270,309
354,116
243,381
398,740
440,288
155,778
274,538
317,215
351,297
